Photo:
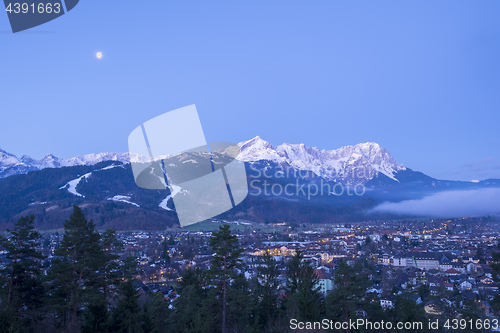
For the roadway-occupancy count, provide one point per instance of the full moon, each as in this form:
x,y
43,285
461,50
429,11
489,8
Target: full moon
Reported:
x,y
98,55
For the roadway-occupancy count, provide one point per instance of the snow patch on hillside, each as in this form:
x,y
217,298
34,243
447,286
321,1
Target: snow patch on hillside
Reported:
x,y
123,198
72,184
174,189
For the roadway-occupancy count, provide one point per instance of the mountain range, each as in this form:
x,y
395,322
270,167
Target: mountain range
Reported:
x,y
333,165
349,164
12,165
103,185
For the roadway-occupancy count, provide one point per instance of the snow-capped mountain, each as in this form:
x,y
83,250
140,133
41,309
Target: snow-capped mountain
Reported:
x,y
112,198
349,164
7,160
11,165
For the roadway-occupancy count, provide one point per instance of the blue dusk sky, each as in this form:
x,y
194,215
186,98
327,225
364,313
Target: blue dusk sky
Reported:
x,y
421,78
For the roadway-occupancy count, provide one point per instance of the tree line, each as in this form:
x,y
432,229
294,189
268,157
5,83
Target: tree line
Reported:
x,y
87,288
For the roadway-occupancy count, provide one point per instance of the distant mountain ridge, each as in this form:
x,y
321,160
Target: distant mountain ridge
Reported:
x,y
11,165
104,186
349,164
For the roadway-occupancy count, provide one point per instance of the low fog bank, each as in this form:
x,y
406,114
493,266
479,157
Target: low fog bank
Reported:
x,y
448,204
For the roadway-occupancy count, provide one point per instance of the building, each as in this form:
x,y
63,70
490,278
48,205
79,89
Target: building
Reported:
x,y
325,281
386,303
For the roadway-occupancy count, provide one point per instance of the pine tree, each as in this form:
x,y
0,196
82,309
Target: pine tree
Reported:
x,y
156,316
147,324
76,272
191,310
293,272
347,296
424,291
224,262
267,289
96,318
164,251
23,274
109,272
240,304
126,315
303,295
96,314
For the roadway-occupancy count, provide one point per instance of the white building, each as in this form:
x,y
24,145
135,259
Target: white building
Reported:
x,y
325,281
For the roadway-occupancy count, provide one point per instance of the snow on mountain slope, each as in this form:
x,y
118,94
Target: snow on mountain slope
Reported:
x,y
11,165
123,198
354,164
349,164
174,189
91,159
7,160
72,184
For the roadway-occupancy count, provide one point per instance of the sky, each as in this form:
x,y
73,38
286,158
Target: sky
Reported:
x,y
422,79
